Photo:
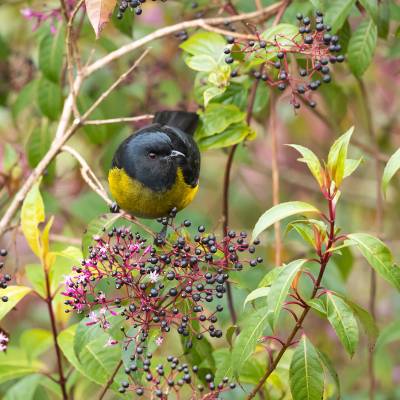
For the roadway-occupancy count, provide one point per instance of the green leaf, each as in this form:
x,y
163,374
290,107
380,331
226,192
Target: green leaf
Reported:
x,y
389,334
337,13
35,342
95,228
201,62
10,158
15,364
38,143
392,166
24,389
317,305
304,230
280,289
235,133
15,294
32,214
385,13
306,378
256,294
224,364
327,363
205,43
35,275
217,117
350,166
342,319
49,97
270,277
362,47
372,8
211,93
337,157
246,342
96,362
280,212
367,322
378,256
24,98
51,54
312,162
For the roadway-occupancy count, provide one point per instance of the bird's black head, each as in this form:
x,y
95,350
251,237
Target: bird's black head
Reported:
x,y
151,157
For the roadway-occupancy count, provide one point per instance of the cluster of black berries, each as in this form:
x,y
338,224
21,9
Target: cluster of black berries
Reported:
x,y
135,5
313,46
173,284
4,278
171,379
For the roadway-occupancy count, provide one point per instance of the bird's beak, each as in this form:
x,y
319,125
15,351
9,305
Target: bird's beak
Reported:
x,y
176,153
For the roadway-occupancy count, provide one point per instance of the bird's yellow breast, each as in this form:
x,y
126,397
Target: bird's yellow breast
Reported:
x,y
138,200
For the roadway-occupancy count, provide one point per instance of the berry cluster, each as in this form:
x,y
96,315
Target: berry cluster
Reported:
x,y
4,278
135,5
158,287
170,379
313,47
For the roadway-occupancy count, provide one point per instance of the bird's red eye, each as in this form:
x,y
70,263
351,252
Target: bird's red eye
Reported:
x,y
152,155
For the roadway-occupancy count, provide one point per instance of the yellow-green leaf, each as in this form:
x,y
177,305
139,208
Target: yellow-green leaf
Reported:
x,y
14,294
32,214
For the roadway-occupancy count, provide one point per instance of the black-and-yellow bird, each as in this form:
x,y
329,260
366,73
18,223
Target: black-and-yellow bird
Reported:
x,y
156,169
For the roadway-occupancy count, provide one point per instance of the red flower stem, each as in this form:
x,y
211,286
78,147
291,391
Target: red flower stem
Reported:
x,y
324,259
49,299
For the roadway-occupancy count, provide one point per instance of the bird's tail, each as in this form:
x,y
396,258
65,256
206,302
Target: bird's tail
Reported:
x,y
185,121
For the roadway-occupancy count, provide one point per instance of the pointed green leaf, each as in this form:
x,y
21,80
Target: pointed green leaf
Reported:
x,y
367,322
269,277
256,294
327,363
362,47
49,97
342,319
378,256
372,8
51,54
280,212
311,160
317,305
15,294
306,377
350,166
24,98
32,214
337,13
280,288
337,157
392,166
246,342
38,143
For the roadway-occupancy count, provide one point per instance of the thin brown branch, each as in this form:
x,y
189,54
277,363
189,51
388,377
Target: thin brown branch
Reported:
x,y
275,176
118,120
53,323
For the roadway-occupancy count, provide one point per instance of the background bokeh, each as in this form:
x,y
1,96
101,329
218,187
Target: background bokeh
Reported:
x,y
163,81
